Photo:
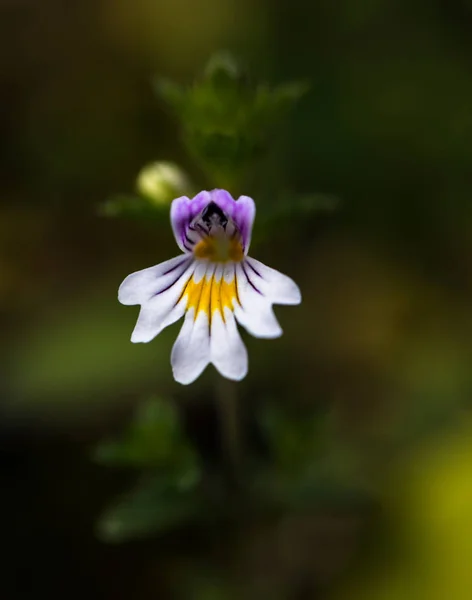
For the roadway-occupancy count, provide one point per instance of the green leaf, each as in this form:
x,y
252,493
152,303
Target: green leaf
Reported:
x,y
289,209
226,122
286,94
153,506
312,464
269,105
222,70
130,206
154,439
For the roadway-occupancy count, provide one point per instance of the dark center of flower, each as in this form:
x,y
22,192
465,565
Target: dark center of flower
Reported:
x,y
221,241
212,216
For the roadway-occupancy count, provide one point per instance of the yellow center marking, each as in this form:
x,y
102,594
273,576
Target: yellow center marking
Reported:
x,y
219,249
210,296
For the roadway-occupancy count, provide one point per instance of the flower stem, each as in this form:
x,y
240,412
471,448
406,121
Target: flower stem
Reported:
x,y
230,423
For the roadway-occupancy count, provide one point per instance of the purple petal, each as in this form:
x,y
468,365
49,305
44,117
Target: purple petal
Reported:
x,y
184,210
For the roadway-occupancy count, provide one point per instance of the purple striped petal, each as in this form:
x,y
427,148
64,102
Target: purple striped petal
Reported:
x,y
241,211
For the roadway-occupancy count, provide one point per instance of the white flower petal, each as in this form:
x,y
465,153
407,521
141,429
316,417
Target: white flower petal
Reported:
x,y
160,296
191,351
254,311
141,286
278,288
213,296
227,351
156,315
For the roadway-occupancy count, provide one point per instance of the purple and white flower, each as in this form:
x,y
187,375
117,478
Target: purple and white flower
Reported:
x,y
214,283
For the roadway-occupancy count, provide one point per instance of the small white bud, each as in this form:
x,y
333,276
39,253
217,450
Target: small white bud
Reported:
x,y
161,182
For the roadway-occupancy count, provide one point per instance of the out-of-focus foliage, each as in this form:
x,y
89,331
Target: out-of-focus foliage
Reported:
x,y
153,506
226,125
153,439
287,211
350,478
136,207
165,495
312,465
226,122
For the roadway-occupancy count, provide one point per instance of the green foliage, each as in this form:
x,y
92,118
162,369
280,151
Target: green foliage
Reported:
x,y
312,464
153,439
166,494
289,208
227,123
133,207
156,504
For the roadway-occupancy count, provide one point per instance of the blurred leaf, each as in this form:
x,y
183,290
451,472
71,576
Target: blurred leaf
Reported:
x,y
135,207
222,70
270,104
312,464
162,500
154,439
153,506
226,122
291,92
290,209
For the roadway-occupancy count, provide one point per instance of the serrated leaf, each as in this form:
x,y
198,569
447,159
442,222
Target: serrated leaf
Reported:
x,y
224,120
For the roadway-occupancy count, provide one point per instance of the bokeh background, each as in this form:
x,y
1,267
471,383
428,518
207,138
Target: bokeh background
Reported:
x,y
355,425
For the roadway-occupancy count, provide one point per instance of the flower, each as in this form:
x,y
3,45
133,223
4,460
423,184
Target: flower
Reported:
x,y
213,283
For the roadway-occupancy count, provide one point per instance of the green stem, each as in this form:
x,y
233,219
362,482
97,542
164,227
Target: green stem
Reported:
x,y
228,408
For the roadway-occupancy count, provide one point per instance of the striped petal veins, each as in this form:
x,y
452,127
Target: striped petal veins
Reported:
x,y
213,284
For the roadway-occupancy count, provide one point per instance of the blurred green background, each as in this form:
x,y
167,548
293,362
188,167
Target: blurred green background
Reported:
x,y
353,477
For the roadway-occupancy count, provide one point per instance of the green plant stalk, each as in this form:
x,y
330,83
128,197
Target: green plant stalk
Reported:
x,y
230,427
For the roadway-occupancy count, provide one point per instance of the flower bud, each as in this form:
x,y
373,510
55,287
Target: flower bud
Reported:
x,y
161,182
